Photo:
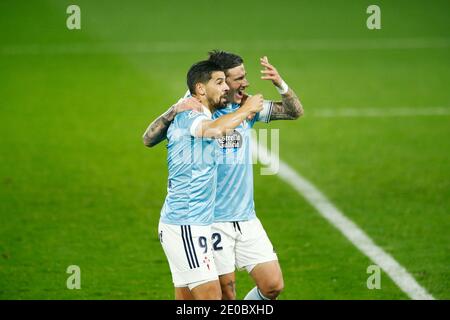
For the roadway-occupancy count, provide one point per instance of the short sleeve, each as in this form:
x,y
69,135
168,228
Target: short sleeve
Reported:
x,y
193,119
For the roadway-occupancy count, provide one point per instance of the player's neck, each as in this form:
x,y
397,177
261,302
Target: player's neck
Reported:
x,y
206,104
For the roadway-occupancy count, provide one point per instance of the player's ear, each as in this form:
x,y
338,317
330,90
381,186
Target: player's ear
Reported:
x,y
200,89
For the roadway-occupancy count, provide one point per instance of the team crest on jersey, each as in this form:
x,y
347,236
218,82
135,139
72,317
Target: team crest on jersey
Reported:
x,y
230,141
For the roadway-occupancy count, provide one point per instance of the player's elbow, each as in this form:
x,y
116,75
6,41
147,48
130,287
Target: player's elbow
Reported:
x,y
147,141
297,114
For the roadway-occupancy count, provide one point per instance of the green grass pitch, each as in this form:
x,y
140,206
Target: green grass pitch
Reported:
x,y
77,186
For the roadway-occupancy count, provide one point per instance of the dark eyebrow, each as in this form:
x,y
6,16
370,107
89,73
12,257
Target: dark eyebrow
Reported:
x,y
241,77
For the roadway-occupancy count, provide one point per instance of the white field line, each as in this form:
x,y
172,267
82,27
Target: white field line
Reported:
x,y
347,227
184,46
381,112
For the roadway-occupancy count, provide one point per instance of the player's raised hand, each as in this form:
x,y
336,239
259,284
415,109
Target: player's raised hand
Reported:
x,y
253,104
270,72
185,104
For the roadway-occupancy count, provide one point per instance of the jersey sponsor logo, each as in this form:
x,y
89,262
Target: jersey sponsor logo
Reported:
x,y
231,141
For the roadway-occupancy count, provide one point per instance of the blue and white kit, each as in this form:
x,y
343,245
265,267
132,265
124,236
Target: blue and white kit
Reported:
x,y
239,238
188,211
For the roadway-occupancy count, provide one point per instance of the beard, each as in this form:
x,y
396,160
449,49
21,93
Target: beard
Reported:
x,y
221,103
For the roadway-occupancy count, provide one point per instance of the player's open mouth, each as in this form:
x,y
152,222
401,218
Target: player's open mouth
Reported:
x,y
240,93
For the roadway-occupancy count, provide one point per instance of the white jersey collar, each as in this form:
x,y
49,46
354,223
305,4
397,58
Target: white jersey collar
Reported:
x,y
206,111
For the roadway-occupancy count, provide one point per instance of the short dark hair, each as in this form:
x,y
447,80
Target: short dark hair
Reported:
x,y
201,72
225,59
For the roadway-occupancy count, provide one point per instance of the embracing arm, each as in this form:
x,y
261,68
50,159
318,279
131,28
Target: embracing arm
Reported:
x,y
219,127
157,130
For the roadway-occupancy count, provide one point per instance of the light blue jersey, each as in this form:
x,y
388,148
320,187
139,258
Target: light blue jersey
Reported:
x,y
234,190
192,172
234,194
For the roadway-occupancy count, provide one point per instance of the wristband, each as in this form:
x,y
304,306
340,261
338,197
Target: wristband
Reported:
x,y
284,88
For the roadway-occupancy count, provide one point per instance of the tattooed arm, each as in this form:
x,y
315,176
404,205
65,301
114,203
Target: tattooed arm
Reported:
x,y
290,107
157,130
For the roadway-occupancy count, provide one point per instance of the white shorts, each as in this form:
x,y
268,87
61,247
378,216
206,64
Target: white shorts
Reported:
x,y
188,250
241,244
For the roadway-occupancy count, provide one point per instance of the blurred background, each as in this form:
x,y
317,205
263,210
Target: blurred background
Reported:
x,y
77,186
